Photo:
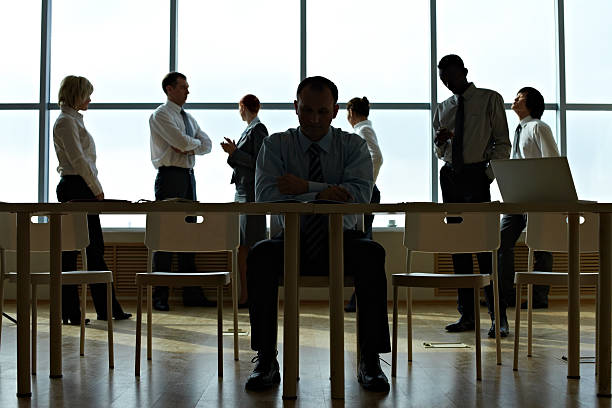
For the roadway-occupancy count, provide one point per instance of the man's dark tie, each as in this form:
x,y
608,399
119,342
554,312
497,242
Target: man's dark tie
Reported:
x,y
188,128
517,138
315,226
457,142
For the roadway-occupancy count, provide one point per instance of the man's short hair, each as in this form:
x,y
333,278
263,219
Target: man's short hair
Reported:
x,y
318,83
451,60
534,101
171,79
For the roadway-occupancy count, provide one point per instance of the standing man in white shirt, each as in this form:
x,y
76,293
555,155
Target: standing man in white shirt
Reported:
x,y
358,110
532,139
175,140
470,130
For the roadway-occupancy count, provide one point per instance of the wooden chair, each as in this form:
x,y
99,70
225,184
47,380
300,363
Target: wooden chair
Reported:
x,y
75,237
429,232
548,232
172,233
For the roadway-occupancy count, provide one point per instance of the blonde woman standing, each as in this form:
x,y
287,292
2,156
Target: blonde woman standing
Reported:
x,y
76,155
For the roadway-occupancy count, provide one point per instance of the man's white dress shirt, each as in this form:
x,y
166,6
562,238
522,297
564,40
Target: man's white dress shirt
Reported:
x,y
168,131
536,140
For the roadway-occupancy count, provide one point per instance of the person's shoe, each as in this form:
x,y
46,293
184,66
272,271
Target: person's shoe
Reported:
x,y
266,373
461,325
351,306
504,329
371,376
118,316
161,305
536,305
243,305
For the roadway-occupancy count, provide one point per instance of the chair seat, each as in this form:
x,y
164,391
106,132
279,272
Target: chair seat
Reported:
x,y
553,278
68,277
440,280
318,281
195,279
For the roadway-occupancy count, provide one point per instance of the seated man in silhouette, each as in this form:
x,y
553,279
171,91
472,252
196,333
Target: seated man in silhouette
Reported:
x,y
316,161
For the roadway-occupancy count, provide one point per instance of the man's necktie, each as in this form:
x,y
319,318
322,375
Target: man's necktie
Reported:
x,y
315,226
517,139
457,142
188,128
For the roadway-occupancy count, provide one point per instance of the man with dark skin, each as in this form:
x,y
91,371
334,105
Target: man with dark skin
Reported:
x,y
317,162
470,130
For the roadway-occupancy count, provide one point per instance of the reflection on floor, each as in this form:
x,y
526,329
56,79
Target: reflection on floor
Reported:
x,y
183,372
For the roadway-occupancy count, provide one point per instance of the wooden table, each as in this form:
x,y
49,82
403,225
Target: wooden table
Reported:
x,y
291,212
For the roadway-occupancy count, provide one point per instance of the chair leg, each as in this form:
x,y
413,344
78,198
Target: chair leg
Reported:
x,y
220,330
358,359
235,311
34,326
394,344
1,294
297,339
517,325
138,329
477,330
497,321
83,312
409,321
149,322
529,319
109,328
596,328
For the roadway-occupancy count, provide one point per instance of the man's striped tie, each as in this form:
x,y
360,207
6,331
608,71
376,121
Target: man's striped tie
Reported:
x,y
315,226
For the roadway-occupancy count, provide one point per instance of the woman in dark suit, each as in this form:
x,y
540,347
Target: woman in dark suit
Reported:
x,y
76,155
242,157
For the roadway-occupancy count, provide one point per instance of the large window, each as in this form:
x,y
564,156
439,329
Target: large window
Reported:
x,y
505,45
370,48
20,50
588,52
120,46
382,50
19,164
231,48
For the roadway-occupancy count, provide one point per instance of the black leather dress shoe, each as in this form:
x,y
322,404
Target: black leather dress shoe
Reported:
x,y
351,306
266,373
161,305
371,376
118,316
536,305
504,329
461,325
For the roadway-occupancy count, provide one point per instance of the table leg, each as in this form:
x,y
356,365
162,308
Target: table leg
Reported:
x,y
55,296
23,305
336,311
573,344
605,305
292,232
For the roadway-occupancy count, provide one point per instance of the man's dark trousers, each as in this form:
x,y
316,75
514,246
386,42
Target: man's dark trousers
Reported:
x,y
363,258
512,225
470,185
175,182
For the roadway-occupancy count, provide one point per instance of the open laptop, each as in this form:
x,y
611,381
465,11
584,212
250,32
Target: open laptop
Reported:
x,y
527,180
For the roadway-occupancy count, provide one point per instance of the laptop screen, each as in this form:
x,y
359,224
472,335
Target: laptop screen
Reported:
x,y
535,180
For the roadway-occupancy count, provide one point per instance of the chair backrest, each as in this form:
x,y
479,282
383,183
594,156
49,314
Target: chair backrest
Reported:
x,y
548,232
75,235
430,232
171,232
